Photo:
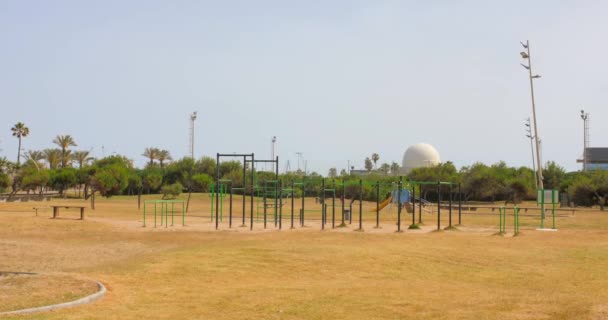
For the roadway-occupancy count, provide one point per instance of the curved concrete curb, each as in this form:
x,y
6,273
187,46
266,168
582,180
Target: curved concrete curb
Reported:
x,y
88,299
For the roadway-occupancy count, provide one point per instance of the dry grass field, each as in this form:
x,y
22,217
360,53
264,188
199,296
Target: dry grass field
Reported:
x,y
195,272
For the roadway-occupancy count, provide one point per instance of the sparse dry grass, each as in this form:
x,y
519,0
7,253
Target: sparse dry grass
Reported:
x,y
192,272
19,291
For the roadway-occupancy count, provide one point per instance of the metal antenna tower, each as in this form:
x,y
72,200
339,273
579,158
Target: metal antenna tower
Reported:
x,y
272,150
585,117
287,167
192,118
299,154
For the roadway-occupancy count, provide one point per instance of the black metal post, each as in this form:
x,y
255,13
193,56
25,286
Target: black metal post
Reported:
x,y
303,198
244,186
217,190
292,200
276,194
323,204
333,206
280,187
399,204
343,199
413,204
438,205
420,206
360,205
450,211
378,204
252,191
279,190
459,205
265,202
230,207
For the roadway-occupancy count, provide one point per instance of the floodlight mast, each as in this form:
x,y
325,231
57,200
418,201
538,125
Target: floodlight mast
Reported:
x,y
192,118
526,56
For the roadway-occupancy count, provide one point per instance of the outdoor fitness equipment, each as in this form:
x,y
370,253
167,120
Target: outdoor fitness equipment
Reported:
x,y
163,207
502,218
220,191
544,195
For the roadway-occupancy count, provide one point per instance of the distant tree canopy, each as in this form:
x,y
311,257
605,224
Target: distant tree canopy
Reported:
x,y
61,169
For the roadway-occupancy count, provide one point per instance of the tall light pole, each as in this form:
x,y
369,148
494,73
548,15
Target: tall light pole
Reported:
x,y
526,56
531,137
192,118
585,117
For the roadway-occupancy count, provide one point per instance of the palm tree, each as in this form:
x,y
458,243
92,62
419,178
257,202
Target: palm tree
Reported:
x,y
368,164
151,153
20,131
394,168
64,142
53,157
35,157
375,158
81,157
163,155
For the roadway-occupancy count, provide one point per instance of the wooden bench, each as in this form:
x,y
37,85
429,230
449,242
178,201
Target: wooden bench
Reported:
x,y
56,210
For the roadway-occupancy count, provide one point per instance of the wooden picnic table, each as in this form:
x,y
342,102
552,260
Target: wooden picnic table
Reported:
x,y
56,210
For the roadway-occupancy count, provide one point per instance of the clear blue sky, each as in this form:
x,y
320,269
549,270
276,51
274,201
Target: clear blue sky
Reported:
x,y
336,80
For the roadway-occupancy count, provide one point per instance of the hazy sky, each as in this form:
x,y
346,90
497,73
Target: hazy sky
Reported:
x,y
335,80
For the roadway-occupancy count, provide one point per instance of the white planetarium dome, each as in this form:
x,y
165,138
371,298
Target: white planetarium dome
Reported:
x,y
420,155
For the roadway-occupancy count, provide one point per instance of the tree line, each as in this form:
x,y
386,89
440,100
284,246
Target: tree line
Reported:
x,y
61,168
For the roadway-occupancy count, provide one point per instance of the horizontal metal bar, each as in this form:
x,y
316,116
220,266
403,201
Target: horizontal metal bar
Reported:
x,y
247,160
235,155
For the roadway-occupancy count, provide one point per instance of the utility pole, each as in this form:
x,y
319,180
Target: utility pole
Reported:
x,y
527,56
192,118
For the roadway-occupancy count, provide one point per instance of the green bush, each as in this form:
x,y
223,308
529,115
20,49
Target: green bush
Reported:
x,y
5,182
172,191
201,182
